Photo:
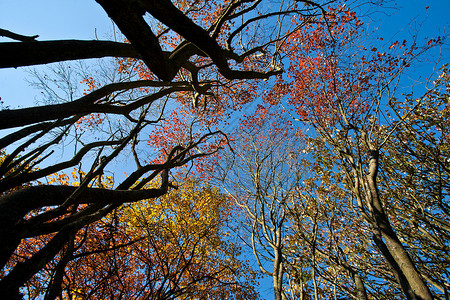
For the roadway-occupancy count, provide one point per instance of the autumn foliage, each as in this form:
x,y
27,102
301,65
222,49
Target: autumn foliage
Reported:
x,y
218,131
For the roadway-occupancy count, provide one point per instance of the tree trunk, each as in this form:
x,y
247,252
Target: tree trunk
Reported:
x,y
277,274
360,288
417,287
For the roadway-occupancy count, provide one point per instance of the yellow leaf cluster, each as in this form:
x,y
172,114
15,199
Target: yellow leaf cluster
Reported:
x,y
75,177
191,210
188,222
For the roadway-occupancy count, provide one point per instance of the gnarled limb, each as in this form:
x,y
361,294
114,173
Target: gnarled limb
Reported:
x,y
35,53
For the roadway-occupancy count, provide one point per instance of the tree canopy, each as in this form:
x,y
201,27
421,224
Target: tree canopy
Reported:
x,y
333,176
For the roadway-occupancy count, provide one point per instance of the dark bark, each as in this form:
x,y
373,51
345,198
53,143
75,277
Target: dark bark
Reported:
x,y
22,178
15,54
18,37
128,17
82,106
55,286
15,205
27,131
23,271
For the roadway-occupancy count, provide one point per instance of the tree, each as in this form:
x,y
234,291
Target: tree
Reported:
x,y
297,224
347,96
415,174
192,247
191,50
173,247
261,175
